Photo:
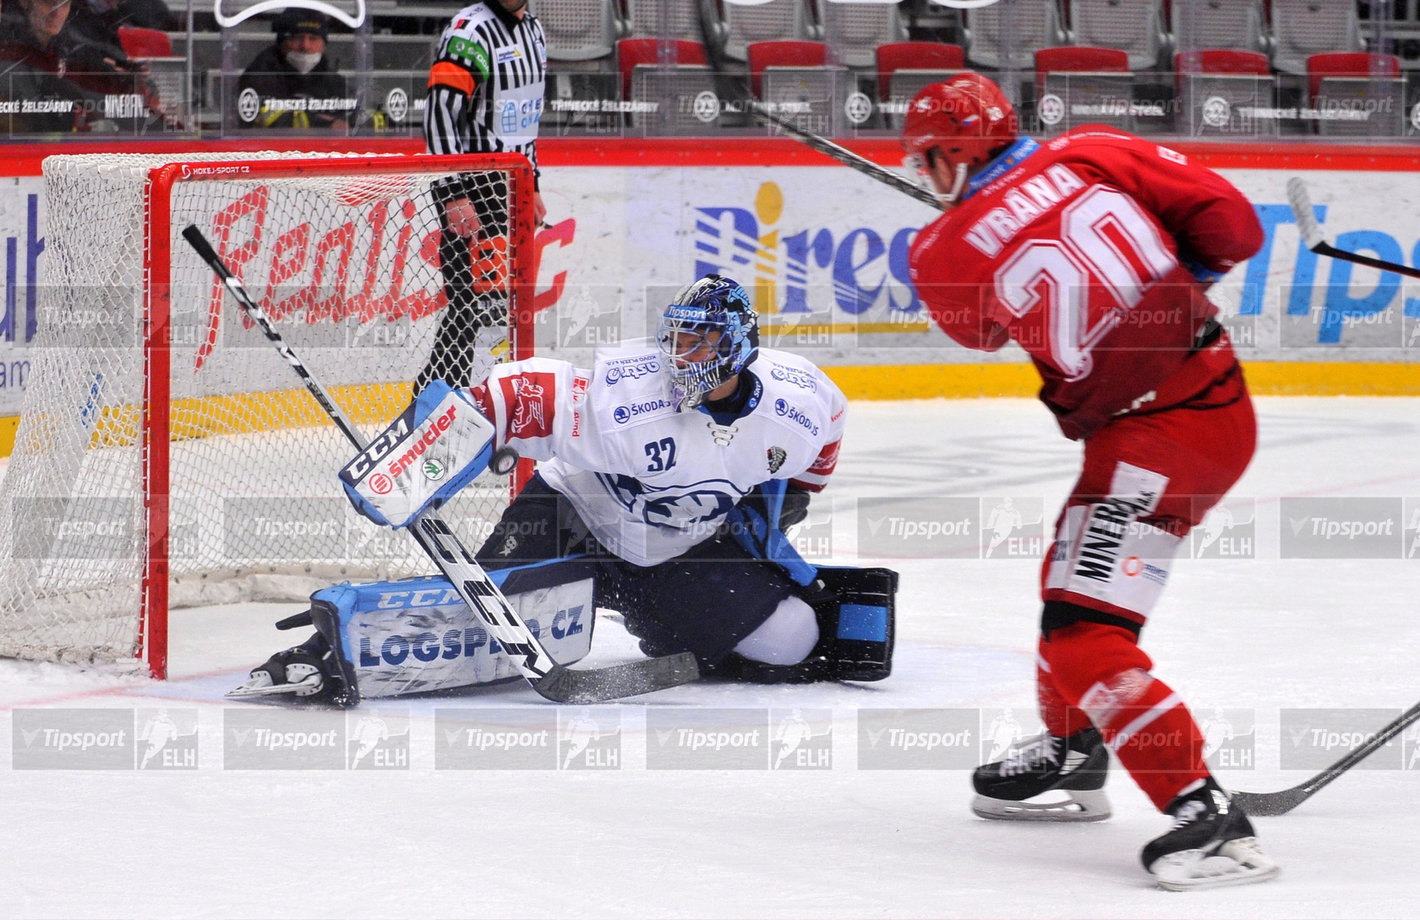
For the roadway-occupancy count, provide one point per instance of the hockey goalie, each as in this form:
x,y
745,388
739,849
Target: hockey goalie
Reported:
x,y
667,475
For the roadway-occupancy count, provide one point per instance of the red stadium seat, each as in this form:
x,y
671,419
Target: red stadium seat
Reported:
x,y
633,51
786,53
1348,64
1077,59
895,56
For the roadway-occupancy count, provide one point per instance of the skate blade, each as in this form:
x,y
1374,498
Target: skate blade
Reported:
x,y
310,682
1237,862
1058,805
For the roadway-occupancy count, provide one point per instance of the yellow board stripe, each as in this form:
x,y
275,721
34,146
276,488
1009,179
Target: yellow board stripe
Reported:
x,y
245,413
379,403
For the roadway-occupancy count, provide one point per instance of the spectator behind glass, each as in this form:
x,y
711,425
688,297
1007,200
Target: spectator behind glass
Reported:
x,y
292,84
50,82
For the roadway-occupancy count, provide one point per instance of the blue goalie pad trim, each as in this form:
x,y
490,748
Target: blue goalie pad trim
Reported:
x,y
862,622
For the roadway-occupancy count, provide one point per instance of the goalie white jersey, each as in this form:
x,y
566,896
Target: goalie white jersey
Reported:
x,y
648,481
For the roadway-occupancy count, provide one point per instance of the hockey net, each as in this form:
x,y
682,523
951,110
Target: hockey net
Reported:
x,y
166,453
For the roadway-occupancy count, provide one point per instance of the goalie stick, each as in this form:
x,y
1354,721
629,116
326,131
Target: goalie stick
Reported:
x,y
1268,804
847,157
550,679
1301,204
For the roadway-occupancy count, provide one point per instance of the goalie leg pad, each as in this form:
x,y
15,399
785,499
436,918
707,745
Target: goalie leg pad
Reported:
x,y
416,635
856,613
857,622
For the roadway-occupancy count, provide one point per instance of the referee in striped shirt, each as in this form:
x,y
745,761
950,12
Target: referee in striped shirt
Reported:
x,y
485,96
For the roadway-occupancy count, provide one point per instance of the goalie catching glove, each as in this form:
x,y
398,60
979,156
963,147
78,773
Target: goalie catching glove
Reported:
x,y
436,447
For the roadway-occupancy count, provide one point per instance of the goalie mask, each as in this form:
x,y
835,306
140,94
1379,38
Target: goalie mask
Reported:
x,y
708,334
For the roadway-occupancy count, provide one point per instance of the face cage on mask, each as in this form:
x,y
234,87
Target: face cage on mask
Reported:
x,y
692,381
919,166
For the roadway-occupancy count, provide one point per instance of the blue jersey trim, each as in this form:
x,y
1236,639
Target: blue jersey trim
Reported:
x,y
1008,160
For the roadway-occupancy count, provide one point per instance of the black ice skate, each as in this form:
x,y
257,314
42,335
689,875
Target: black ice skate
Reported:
x,y
305,673
1210,844
1046,778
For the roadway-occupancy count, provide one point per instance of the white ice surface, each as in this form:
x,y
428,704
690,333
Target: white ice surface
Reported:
x,y
1256,635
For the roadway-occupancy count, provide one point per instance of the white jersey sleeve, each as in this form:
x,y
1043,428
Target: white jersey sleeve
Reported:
x,y
805,397
536,406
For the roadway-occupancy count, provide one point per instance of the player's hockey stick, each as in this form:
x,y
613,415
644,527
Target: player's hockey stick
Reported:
x,y
1267,804
1311,234
847,157
547,677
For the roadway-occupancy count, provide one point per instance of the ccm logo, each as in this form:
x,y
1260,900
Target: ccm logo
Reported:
x,y
435,431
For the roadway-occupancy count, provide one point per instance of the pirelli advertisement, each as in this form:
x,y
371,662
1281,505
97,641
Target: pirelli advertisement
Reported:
x,y
824,251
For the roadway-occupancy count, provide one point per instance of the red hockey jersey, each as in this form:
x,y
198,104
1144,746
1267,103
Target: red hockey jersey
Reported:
x,y
1085,255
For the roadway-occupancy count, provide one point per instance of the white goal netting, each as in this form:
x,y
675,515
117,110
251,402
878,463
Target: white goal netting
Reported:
x,y
156,409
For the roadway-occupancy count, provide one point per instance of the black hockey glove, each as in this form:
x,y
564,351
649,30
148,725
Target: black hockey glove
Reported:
x,y
795,507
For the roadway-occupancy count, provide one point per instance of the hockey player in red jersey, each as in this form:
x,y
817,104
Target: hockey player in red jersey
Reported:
x,y
1092,252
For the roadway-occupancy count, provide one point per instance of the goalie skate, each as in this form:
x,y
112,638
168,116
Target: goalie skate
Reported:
x,y
296,672
1047,778
261,684
1211,844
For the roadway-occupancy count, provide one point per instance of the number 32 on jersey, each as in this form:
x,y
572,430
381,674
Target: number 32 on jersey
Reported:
x,y
660,455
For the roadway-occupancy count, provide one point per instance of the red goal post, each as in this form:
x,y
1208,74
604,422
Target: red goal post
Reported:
x,y
166,455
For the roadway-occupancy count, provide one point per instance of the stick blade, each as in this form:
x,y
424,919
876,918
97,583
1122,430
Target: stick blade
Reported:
x,y
564,685
1269,804
1301,204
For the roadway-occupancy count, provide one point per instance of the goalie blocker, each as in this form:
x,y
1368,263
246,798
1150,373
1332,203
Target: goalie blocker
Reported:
x,y
397,638
436,446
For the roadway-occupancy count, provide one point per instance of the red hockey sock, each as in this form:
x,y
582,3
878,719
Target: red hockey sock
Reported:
x,y
1102,671
1060,718
1151,732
